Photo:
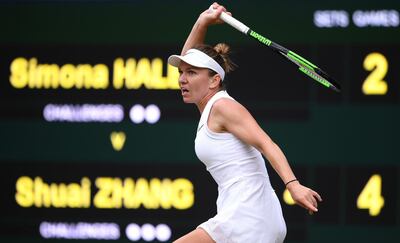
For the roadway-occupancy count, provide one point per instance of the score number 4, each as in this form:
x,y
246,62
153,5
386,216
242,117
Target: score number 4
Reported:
x,y
374,83
370,197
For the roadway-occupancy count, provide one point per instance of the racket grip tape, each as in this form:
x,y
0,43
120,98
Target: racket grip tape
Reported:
x,y
232,21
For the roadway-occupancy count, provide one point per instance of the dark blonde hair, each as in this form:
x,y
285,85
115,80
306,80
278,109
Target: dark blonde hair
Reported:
x,y
220,53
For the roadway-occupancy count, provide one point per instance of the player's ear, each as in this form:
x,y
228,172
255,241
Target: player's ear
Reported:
x,y
215,81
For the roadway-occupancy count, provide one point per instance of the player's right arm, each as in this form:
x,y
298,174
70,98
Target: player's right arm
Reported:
x,y
199,30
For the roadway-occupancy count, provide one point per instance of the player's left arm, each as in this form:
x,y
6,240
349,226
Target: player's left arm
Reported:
x,y
232,117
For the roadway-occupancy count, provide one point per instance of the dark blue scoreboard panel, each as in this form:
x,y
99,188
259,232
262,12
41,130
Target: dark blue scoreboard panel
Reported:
x,y
96,143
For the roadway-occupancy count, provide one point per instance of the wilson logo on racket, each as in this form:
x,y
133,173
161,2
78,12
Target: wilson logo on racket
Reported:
x,y
260,38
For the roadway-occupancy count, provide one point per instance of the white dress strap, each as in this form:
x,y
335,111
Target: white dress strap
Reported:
x,y
210,103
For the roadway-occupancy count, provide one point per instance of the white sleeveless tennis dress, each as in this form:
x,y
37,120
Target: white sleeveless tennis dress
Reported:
x,y
248,210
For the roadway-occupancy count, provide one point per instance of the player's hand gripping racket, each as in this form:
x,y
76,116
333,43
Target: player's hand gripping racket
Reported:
x,y
304,65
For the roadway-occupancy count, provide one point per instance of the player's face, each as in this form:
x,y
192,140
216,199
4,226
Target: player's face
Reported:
x,y
194,82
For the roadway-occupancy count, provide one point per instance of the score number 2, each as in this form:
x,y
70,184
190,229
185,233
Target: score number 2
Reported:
x,y
374,83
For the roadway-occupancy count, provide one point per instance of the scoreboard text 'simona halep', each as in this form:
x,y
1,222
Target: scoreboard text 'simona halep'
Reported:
x,y
96,143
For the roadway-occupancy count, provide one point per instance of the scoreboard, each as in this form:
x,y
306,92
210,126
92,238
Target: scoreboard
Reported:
x,y
97,144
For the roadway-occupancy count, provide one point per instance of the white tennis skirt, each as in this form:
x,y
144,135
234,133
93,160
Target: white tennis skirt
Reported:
x,y
248,211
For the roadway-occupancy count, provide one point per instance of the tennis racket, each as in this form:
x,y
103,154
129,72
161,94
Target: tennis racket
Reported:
x,y
304,65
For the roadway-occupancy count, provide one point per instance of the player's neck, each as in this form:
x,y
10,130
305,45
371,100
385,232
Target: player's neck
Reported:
x,y
203,102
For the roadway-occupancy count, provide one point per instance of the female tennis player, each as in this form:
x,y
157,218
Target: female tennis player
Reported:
x,y
231,143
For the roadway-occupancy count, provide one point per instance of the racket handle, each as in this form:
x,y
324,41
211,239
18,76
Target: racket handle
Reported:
x,y
232,21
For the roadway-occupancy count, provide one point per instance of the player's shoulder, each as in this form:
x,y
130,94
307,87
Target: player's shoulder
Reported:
x,y
225,102
227,106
